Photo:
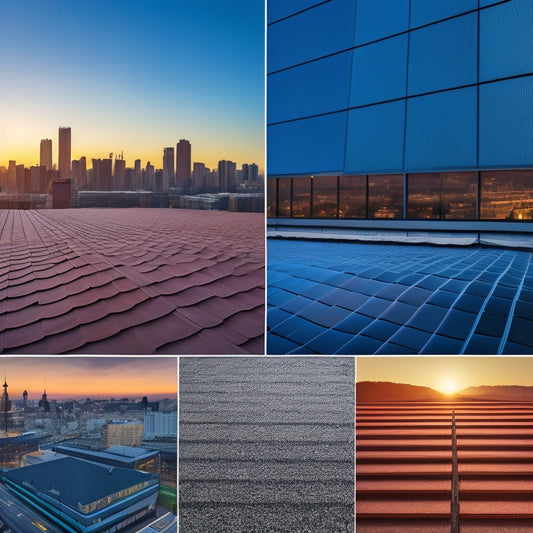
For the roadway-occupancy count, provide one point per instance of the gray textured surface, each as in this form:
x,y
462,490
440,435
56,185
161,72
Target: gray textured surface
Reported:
x,y
266,445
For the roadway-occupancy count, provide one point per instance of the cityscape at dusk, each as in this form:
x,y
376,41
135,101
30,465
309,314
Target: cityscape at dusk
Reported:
x,y
132,78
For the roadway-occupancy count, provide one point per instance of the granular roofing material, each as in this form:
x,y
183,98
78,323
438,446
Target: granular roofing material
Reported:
x,y
362,299
131,281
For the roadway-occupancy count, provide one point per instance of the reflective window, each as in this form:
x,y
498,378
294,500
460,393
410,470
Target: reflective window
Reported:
x,y
444,195
284,197
507,195
352,196
271,197
325,197
301,197
385,196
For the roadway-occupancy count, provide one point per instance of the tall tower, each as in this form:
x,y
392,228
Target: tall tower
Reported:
x,y
64,153
183,164
25,398
227,176
168,168
6,404
44,404
46,154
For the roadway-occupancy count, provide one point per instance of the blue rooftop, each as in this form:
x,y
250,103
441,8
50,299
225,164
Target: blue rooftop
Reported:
x,y
362,299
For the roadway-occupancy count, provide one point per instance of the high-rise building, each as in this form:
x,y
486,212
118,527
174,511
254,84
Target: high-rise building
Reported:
x,y
12,175
404,110
183,164
168,169
46,154
149,177
199,173
227,176
120,175
64,153
38,181
137,176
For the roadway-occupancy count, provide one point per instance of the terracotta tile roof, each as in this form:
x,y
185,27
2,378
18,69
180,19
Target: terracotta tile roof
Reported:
x,y
131,281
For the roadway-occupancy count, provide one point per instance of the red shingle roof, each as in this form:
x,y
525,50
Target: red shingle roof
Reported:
x,y
131,281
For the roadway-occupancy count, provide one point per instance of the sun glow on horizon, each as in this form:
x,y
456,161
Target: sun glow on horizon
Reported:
x,y
448,386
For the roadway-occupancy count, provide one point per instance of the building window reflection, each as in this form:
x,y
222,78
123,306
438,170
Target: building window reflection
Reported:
x,y
284,198
442,195
352,196
507,195
468,195
385,196
301,197
325,197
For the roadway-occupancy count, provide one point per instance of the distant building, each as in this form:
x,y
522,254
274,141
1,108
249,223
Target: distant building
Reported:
x,y
183,164
44,404
46,153
124,434
149,177
137,176
227,176
38,183
120,175
158,424
168,169
60,193
64,153
108,499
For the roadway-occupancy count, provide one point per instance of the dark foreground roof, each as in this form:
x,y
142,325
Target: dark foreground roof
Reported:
x,y
77,481
131,281
348,298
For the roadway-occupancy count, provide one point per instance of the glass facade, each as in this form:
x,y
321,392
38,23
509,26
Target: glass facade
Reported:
x,y
469,195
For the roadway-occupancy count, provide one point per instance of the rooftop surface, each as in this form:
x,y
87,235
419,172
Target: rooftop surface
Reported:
x,y
362,299
64,475
131,281
266,444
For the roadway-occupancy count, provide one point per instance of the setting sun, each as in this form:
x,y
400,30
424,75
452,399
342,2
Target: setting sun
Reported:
x,y
448,386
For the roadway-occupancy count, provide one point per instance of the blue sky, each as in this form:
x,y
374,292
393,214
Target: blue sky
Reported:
x,y
133,75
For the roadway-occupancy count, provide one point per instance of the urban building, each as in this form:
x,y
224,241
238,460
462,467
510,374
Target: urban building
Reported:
x,y
46,153
227,176
64,156
168,169
120,175
121,456
415,114
127,433
158,424
109,498
183,164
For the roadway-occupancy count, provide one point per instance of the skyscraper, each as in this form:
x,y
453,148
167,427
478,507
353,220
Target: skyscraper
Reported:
x,y
183,164
168,168
64,153
227,176
138,177
46,153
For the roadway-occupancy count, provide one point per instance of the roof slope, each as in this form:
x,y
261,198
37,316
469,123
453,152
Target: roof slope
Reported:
x,y
131,281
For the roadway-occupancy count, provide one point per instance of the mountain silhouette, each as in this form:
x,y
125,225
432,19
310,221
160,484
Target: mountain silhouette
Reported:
x,y
386,391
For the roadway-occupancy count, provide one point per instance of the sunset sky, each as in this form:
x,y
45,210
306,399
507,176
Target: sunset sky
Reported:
x,y
133,75
91,377
447,374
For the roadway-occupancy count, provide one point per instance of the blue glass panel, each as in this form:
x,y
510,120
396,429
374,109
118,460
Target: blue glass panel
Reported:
x,y
484,3
426,11
307,146
443,55
375,138
506,40
380,18
309,89
441,131
323,30
505,132
379,71
278,9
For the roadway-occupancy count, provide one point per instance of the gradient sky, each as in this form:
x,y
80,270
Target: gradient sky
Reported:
x,y
440,373
91,377
133,75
